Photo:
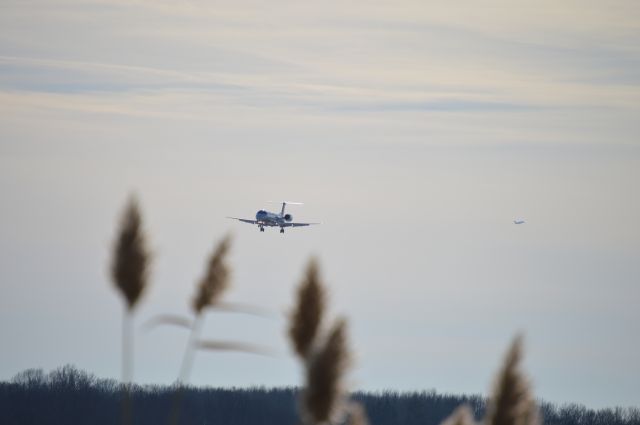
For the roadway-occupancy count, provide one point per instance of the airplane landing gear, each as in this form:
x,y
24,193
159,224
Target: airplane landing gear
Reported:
x,y
282,230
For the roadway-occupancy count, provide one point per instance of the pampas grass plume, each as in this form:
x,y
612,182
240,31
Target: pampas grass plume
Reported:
x,y
216,278
461,416
512,402
325,368
307,316
357,414
131,258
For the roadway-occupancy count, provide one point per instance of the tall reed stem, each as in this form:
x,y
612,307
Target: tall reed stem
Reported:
x,y
189,351
185,369
127,346
127,365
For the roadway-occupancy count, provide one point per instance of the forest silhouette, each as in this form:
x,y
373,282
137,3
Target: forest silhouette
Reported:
x,y
68,395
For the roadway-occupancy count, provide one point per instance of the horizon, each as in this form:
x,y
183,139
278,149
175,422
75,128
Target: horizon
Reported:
x,y
354,391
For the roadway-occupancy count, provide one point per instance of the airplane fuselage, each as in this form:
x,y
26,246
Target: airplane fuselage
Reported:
x,y
267,218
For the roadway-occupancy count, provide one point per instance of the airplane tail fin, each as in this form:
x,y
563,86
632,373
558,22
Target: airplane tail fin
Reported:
x,y
284,204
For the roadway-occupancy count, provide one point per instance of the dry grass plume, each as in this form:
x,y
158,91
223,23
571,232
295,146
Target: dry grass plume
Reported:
x,y
512,402
324,393
357,415
131,257
216,278
461,416
307,316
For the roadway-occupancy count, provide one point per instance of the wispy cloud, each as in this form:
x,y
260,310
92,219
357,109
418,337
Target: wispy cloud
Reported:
x,y
187,59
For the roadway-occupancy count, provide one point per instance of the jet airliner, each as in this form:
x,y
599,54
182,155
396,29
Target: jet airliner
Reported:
x,y
271,219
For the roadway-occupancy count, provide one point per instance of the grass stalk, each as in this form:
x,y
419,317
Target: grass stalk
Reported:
x,y
127,366
190,350
185,369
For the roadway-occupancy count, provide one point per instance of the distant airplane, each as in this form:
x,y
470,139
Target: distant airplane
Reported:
x,y
518,221
270,219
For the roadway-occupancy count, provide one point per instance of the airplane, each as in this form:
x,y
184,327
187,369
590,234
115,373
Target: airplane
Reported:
x,y
518,221
271,219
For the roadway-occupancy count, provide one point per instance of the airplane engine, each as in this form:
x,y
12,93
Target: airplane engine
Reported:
x,y
288,217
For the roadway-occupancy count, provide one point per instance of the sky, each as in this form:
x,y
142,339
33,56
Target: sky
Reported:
x,y
415,131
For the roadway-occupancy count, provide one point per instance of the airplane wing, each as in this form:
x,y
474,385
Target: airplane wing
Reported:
x,y
245,220
297,224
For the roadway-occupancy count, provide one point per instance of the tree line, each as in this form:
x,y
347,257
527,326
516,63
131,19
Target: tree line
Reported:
x,y
69,396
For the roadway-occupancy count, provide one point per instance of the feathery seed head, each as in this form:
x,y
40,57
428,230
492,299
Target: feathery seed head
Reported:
x,y
512,402
216,278
461,416
357,414
324,393
307,317
129,269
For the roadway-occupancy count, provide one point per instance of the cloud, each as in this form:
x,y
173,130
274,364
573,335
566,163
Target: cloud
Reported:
x,y
521,55
286,62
